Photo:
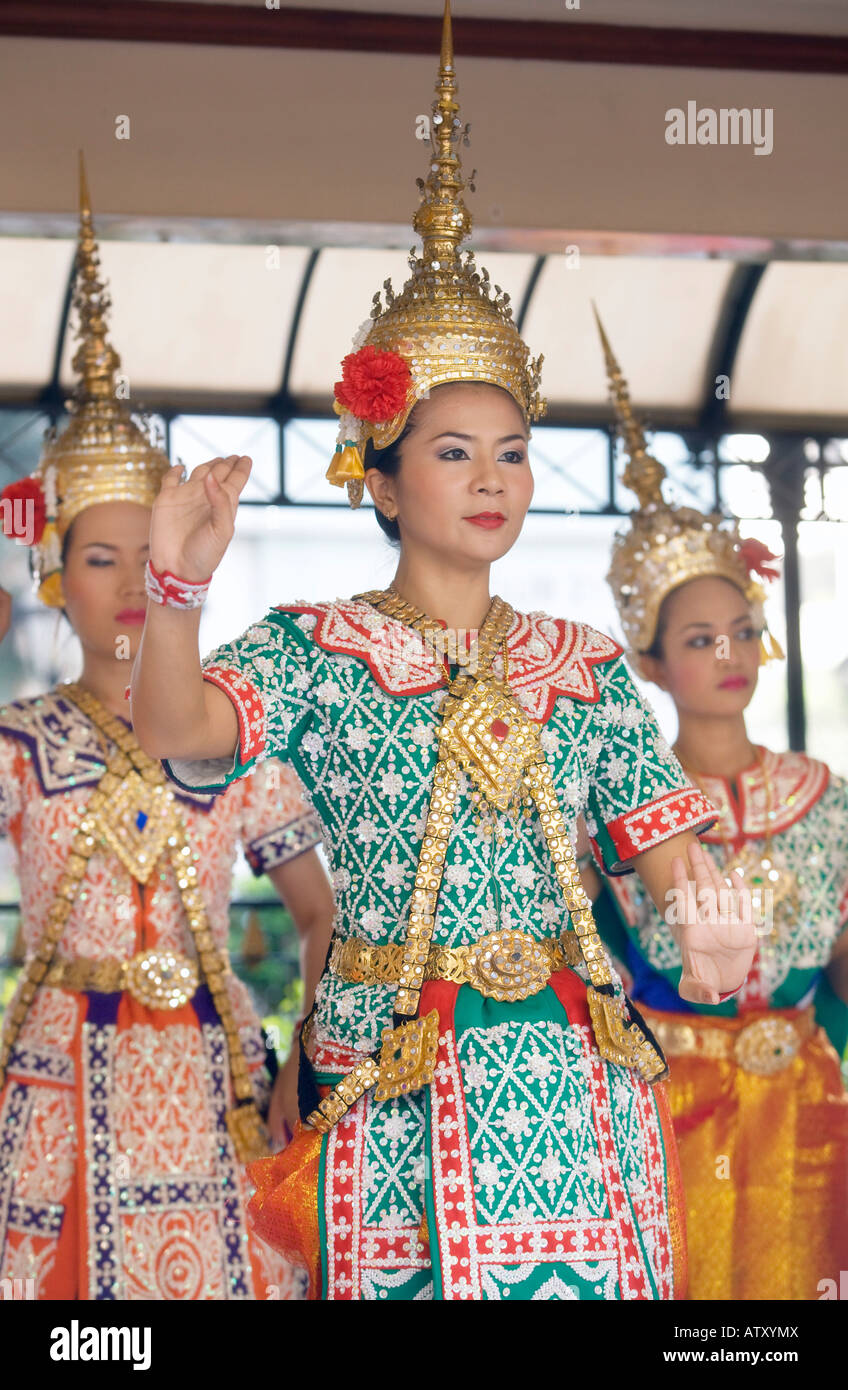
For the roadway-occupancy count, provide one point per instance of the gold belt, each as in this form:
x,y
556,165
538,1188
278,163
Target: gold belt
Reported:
x,y
157,979
764,1046
504,965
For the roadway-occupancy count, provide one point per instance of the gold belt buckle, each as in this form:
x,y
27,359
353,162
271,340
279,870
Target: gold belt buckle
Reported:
x,y
767,1046
508,965
162,979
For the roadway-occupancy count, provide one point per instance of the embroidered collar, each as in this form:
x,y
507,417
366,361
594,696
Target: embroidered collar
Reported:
x,y
64,746
548,657
796,783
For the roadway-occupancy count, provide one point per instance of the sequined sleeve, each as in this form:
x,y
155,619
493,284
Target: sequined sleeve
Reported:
x,y
639,794
278,822
267,674
11,772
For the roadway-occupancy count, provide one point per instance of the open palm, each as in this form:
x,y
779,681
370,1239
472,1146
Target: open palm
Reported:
x,y
717,934
193,521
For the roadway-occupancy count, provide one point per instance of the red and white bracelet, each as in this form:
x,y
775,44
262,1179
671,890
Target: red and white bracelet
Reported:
x,y
168,589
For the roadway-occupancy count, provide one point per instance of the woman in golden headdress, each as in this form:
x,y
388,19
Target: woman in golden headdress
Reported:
x,y
132,1061
759,1108
479,1115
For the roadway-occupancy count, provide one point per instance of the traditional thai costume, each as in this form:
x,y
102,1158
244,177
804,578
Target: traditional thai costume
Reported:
x,y
485,1123
759,1108
132,1061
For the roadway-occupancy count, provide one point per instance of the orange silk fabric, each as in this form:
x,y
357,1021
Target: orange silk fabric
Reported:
x,y
764,1161
284,1208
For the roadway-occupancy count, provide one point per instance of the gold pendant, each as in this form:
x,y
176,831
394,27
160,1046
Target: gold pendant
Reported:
x,y
248,1133
771,884
493,740
408,1057
136,823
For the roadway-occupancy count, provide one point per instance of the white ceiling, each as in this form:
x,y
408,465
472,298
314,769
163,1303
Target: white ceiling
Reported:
x,y
776,16
200,324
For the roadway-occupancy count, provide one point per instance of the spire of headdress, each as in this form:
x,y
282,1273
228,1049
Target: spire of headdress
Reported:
x,y
104,453
443,221
643,474
95,360
448,324
665,545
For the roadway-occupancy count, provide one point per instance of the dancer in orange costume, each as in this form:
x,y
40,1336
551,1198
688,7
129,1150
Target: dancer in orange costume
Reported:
x,y
133,1066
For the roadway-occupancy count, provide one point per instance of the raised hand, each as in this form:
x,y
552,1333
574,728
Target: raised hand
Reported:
x,y
715,929
193,522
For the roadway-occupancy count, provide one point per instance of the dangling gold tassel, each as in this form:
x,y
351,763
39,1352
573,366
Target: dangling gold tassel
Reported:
x,y
254,947
346,465
774,652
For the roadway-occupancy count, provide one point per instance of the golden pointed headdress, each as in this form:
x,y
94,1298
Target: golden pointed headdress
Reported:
x,y
447,324
103,454
664,545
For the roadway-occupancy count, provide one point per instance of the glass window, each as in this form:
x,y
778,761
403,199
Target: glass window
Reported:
x,y
198,438
744,491
570,469
823,552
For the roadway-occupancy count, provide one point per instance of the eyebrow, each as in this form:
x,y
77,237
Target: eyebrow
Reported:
x,y
455,434
107,545
743,618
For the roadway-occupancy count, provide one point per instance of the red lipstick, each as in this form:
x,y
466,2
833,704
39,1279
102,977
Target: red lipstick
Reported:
x,y
130,615
489,521
734,683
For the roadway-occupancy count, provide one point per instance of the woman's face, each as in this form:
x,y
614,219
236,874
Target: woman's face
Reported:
x,y
464,484
710,649
103,577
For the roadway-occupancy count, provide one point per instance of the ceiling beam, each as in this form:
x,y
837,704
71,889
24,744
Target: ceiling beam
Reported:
x,y
255,26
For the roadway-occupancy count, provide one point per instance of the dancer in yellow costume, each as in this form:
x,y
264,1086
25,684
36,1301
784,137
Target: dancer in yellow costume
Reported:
x,y
132,1065
759,1109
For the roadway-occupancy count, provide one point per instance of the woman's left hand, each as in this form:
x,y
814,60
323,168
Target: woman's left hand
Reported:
x,y
283,1113
715,929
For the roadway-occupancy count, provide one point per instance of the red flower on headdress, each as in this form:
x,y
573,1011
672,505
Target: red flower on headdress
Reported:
x,y
374,385
756,558
24,517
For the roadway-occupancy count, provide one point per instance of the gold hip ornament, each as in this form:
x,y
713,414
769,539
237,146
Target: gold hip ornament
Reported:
x,y
767,1046
162,979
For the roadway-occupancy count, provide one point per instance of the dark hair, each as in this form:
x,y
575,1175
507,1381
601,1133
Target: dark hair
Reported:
x,y
66,541
387,461
655,650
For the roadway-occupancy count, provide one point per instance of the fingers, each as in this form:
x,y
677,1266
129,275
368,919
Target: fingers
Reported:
x,y
683,892
233,476
696,992
172,478
237,465
701,865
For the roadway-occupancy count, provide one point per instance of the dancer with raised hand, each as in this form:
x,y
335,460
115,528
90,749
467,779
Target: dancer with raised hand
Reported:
x,y
480,1113
132,1064
757,1099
